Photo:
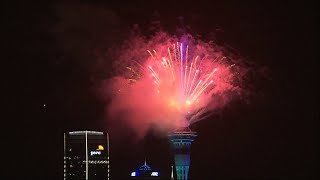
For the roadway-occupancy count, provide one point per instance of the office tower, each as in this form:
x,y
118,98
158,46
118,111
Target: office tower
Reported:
x,y
86,155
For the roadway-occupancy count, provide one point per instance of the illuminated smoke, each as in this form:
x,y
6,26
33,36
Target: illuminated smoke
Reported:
x,y
170,82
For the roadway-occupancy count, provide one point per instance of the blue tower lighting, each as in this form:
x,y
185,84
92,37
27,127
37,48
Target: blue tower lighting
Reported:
x,y
181,141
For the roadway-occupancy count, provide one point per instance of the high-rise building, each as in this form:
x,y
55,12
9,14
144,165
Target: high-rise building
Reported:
x,y
86,155
181,141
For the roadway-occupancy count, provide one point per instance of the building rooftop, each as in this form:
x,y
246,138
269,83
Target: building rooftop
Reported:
x,y
145,167
84,133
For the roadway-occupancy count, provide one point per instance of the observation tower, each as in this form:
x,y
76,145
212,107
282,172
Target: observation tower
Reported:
x,y
181,141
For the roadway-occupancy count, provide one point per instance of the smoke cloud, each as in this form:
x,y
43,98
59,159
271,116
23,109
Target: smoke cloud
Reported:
x,y
132,96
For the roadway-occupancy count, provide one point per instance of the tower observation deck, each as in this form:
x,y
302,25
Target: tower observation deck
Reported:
x,y
181,141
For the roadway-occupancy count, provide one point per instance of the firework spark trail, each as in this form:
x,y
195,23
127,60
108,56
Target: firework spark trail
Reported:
x,y
170,83
189,82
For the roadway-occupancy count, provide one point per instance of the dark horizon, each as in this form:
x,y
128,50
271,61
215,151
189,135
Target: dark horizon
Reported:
x,y
51,67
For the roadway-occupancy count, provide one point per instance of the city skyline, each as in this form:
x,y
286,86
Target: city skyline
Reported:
x,y
56,56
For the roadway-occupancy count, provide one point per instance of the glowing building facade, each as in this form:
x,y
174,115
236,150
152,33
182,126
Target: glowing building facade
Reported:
x,y
86,155
181,141
145,173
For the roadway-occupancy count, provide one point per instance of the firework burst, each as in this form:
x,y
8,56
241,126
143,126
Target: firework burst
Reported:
x,y
173,84
184,83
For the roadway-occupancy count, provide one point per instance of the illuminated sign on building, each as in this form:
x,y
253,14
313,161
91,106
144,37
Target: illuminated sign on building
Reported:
x,y
155,174
100,148
95,153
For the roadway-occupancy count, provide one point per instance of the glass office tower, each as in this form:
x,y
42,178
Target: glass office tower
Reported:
x,y
86,155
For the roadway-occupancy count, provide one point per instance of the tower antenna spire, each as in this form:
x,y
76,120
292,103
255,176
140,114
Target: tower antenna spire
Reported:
x,y
172,178
145,160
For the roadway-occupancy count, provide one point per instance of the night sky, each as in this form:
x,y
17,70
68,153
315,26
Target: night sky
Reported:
x,y
53,65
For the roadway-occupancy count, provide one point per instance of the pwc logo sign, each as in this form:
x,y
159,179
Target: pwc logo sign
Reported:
x,y
97,151
100,148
